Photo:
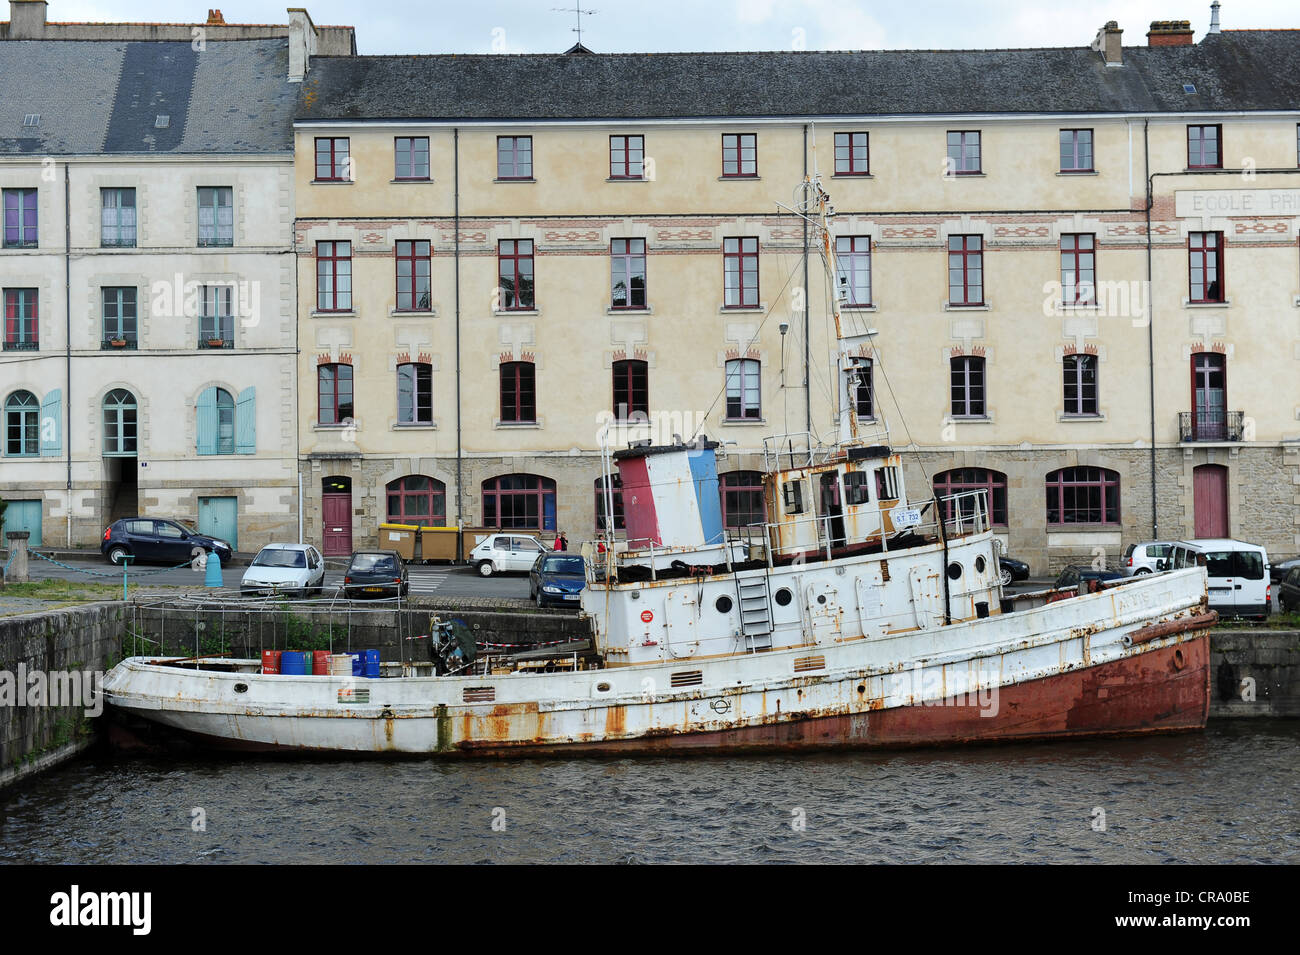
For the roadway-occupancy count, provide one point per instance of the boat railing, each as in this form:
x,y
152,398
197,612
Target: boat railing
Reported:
x,y
797,449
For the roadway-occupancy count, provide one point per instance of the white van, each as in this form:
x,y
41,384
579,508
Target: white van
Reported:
x,y
1239,582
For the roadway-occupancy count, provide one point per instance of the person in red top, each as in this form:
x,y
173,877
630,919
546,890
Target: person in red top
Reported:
x,y
561,542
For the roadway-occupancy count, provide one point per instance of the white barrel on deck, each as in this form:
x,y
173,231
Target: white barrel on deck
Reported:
x,y
340,664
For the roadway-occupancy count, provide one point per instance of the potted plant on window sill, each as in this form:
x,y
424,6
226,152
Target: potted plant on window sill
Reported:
x,y
117,342
216,342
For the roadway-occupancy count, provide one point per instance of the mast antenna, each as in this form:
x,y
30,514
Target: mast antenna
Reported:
x,y
578,13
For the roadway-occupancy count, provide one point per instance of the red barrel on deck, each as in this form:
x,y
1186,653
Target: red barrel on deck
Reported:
x,y
270,661
320,663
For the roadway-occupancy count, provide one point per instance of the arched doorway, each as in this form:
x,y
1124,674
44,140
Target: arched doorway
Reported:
x,y
336,516
1210,500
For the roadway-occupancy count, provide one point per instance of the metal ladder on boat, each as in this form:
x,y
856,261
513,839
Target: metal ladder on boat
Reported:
x,y
755,602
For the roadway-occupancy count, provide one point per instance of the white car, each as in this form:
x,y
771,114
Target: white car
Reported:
x,y
506,552
296,569
1141,558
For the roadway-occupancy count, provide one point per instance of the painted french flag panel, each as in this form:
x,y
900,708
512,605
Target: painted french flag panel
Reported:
x,y
704,474
675,504
639,514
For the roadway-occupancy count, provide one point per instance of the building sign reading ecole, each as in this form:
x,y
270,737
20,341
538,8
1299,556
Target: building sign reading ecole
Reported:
x,y
1237,202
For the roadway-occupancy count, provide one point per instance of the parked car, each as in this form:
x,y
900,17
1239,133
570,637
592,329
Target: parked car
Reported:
x,y
1277,572
1010,569
1288,591
504,553
1143,558
296,569
557,578
1239,584
151,539
376,573
1072,576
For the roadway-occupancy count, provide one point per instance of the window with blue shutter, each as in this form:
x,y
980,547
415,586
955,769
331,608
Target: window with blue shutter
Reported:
x,y
246,421
52,424
207,421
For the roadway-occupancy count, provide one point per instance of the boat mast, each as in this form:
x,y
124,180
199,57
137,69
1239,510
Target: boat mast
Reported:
x,y
848,365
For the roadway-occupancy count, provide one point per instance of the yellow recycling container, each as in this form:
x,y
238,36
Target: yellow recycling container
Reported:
x,y
438,543
399,537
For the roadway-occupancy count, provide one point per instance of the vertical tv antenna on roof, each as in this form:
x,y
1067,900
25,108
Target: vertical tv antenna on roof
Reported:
x,y
578,13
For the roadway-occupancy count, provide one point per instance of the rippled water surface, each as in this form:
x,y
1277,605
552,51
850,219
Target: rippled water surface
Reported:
x,y
1231,794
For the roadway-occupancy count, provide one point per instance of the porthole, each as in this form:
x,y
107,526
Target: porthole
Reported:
x,y
723,604
784,596
241,687
602,687
979,564
954,571
821,598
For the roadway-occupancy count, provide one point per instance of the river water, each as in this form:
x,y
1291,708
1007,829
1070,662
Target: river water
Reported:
x,y
1230,794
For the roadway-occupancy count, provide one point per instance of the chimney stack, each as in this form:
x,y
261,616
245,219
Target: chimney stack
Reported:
x,y
1170,33
26,19
302,43
1108,44
1214,17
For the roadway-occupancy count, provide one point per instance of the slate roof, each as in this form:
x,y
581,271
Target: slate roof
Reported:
x,y
1238,70
104,97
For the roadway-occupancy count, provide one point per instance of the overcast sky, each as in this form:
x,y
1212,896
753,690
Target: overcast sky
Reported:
x,y
623,26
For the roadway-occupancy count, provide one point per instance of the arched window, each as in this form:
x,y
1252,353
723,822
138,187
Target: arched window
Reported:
x,y
22,425
518,391
416,499
225,422
631,389
1083,495
617,486
993,483
742,498
744,394
519,500
119,424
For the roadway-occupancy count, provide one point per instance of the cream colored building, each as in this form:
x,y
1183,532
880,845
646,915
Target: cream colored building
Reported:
x,y
1153,402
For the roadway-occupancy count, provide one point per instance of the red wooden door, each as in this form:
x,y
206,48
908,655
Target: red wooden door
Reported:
x,y
336,511
1210,500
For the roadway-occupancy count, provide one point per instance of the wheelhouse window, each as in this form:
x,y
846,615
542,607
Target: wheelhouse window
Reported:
x,y
965,270
119,423
744,392
742,498
216,317
20,218
1079,269
616,494
853,258
413,266
519,501
412,158
216,216
964,152
1076,150
1080,386
332,163
739,155
864,395
851,154
631,389
22,319
627,157
740,272
515,274
627,273
415,393
22,425
518,392
967,378
333,276
1203,147
117,218
417,499
514,157
961,480
333,393
1205,267
1083,495
119,306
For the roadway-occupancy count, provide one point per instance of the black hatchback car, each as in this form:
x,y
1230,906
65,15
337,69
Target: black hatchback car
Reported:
x,y
165,542
376,573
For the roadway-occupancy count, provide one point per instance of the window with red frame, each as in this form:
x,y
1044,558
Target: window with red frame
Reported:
x,y
514,157
965,270
1205,267
415,393
1076,150
960,480
744,391
627,273
616,493
967,373
853,258
417,499
631,389
515,274
627,157
332,163
1083,495
742,498
1204,147
964,152
22,326
851,154
519,500
1079,269
412,158
412,276
1080,385
740,272
739,155
334,393
865,395
333,276
518,392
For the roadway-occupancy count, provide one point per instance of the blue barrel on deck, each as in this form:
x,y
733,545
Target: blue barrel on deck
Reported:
x,y
295,663
370,664
356,661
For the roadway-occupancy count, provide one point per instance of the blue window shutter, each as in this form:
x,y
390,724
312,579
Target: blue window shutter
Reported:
x,y
246,422
207,421
51,424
